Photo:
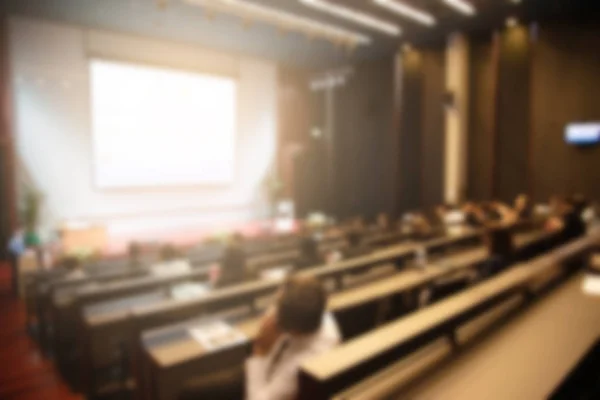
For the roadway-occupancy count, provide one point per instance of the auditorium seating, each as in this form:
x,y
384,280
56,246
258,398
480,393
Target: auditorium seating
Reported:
x,y
326,376
170,356
131,333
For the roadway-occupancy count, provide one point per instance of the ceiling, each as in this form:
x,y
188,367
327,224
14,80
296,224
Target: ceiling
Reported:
x,y
179,21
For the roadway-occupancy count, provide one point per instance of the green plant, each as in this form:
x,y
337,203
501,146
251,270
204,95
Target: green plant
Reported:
x,y
30,210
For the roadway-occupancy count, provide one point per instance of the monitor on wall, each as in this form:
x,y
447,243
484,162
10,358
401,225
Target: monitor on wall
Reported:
x,y
583,133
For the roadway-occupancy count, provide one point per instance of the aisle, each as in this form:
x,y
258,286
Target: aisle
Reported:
x,y
24,373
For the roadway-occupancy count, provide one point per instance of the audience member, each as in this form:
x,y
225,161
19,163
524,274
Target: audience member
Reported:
x,y
522,206
382,223
295,329
420,227
498,240
474,215
309,253
567,221
168,252
134,251
356,245
233,263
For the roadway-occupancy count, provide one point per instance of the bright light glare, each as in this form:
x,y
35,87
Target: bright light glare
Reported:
x,y
461,6
157,127
354,16
407,11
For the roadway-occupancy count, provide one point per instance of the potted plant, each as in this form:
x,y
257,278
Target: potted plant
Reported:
x,y
30,215
273,187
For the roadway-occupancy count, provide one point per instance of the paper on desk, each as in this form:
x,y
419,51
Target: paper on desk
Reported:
x,y
168,268
217,335
189,290
275,274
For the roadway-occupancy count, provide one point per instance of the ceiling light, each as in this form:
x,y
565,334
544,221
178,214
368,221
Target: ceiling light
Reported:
x,y
407,11
461,6
284,20
354,16
515,1
511,22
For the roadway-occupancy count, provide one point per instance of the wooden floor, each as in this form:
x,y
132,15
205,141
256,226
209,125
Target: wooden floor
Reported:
x,y
24,372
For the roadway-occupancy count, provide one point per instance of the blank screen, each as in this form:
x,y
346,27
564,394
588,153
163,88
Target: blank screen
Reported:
x,y
161,127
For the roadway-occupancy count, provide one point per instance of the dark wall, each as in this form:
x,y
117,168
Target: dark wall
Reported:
x,y
512,138
433,140
352,169
482,84
566,81
364,151
422,129
525,88
411,123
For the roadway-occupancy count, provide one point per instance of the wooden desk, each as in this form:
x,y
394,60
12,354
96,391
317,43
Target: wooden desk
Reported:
x,y
524,359
172,356
324,376
245,295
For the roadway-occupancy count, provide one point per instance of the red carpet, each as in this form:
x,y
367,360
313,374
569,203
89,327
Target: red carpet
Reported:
x,y
24,372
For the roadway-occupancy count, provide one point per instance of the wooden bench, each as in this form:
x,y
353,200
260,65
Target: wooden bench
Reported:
x,y
171,356
325,376
119,325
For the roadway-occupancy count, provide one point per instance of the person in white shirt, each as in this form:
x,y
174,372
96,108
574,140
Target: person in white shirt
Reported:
x,y
295,329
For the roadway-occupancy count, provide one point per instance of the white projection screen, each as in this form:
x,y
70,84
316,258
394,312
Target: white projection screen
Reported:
x,y
154,127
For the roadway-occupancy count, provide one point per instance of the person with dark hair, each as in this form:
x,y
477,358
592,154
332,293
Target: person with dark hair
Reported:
x,y
498,240
168,252
421,227
309,253
382,223
573,226
295,329
356,246
134,251
233,263
523,207
474,215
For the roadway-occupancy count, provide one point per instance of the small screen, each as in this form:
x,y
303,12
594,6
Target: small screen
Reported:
x,y
583,133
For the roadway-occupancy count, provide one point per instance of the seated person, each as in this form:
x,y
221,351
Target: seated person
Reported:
x,y
440,214
498,240
309,253
297,328
356,246
233,263
573,226
382,223
356,224
134,252
74,267
567,221
421,228
523,207
474,216
168,252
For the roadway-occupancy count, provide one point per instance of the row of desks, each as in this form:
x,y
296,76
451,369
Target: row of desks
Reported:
x,y
67,301
172,355
325,376
526,357
111,320
106,327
